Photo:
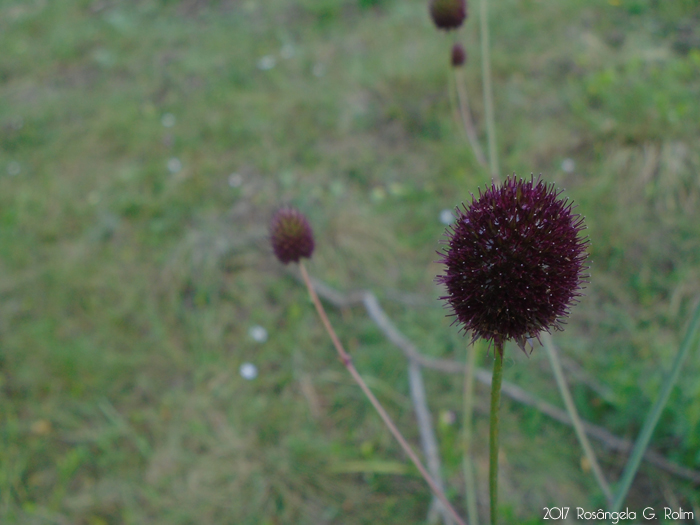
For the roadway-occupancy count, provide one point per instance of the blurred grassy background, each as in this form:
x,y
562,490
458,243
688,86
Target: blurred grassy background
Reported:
x,y
145,144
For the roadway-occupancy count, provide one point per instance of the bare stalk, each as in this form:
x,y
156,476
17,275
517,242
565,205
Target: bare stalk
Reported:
x,y
427,435
465,113
488,91
468,415
347,361
494,428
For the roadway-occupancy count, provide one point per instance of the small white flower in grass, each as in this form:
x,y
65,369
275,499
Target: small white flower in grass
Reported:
x,y
168,120
174,165
266,63
258,333
446,217
568,165
235,180
13,168
248,371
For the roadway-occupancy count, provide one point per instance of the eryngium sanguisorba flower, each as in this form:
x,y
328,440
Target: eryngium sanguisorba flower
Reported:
x,y
291,235
514,261
448,14
459,55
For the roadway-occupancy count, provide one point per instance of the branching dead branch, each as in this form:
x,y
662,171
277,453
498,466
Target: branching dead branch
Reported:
x,y
514,392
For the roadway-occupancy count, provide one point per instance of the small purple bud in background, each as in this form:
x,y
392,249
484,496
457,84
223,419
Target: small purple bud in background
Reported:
x,y
459,55
291,235
448,14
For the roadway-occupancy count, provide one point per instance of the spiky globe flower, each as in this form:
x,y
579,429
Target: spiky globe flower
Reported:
x,y
459,55
514,261
448,14
291,235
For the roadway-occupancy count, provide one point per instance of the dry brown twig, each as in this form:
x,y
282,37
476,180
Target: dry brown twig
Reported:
x,y
435,485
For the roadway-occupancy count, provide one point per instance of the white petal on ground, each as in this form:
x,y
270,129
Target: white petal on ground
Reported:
x,y
258,333
266,63
174,165
168,120
248,371
568,165
446,217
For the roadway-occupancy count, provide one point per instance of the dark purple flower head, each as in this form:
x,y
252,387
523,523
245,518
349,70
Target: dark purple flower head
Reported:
x,y
459,55
291,235
448,14
514,261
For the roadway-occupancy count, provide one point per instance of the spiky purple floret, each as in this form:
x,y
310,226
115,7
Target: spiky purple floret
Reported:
x,y
514,262
448,14
291,235
459,55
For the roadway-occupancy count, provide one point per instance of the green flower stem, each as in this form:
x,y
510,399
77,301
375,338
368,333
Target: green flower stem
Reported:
x,y
468,415
488,91
347,361
573,414
644,437
493,431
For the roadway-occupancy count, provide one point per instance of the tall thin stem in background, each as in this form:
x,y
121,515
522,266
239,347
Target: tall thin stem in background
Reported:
x,y
488,93
465,113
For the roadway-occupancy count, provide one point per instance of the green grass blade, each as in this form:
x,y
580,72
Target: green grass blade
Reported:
x,y
653,417
573,414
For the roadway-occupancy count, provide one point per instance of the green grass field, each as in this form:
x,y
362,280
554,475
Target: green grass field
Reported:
x,y
144,146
